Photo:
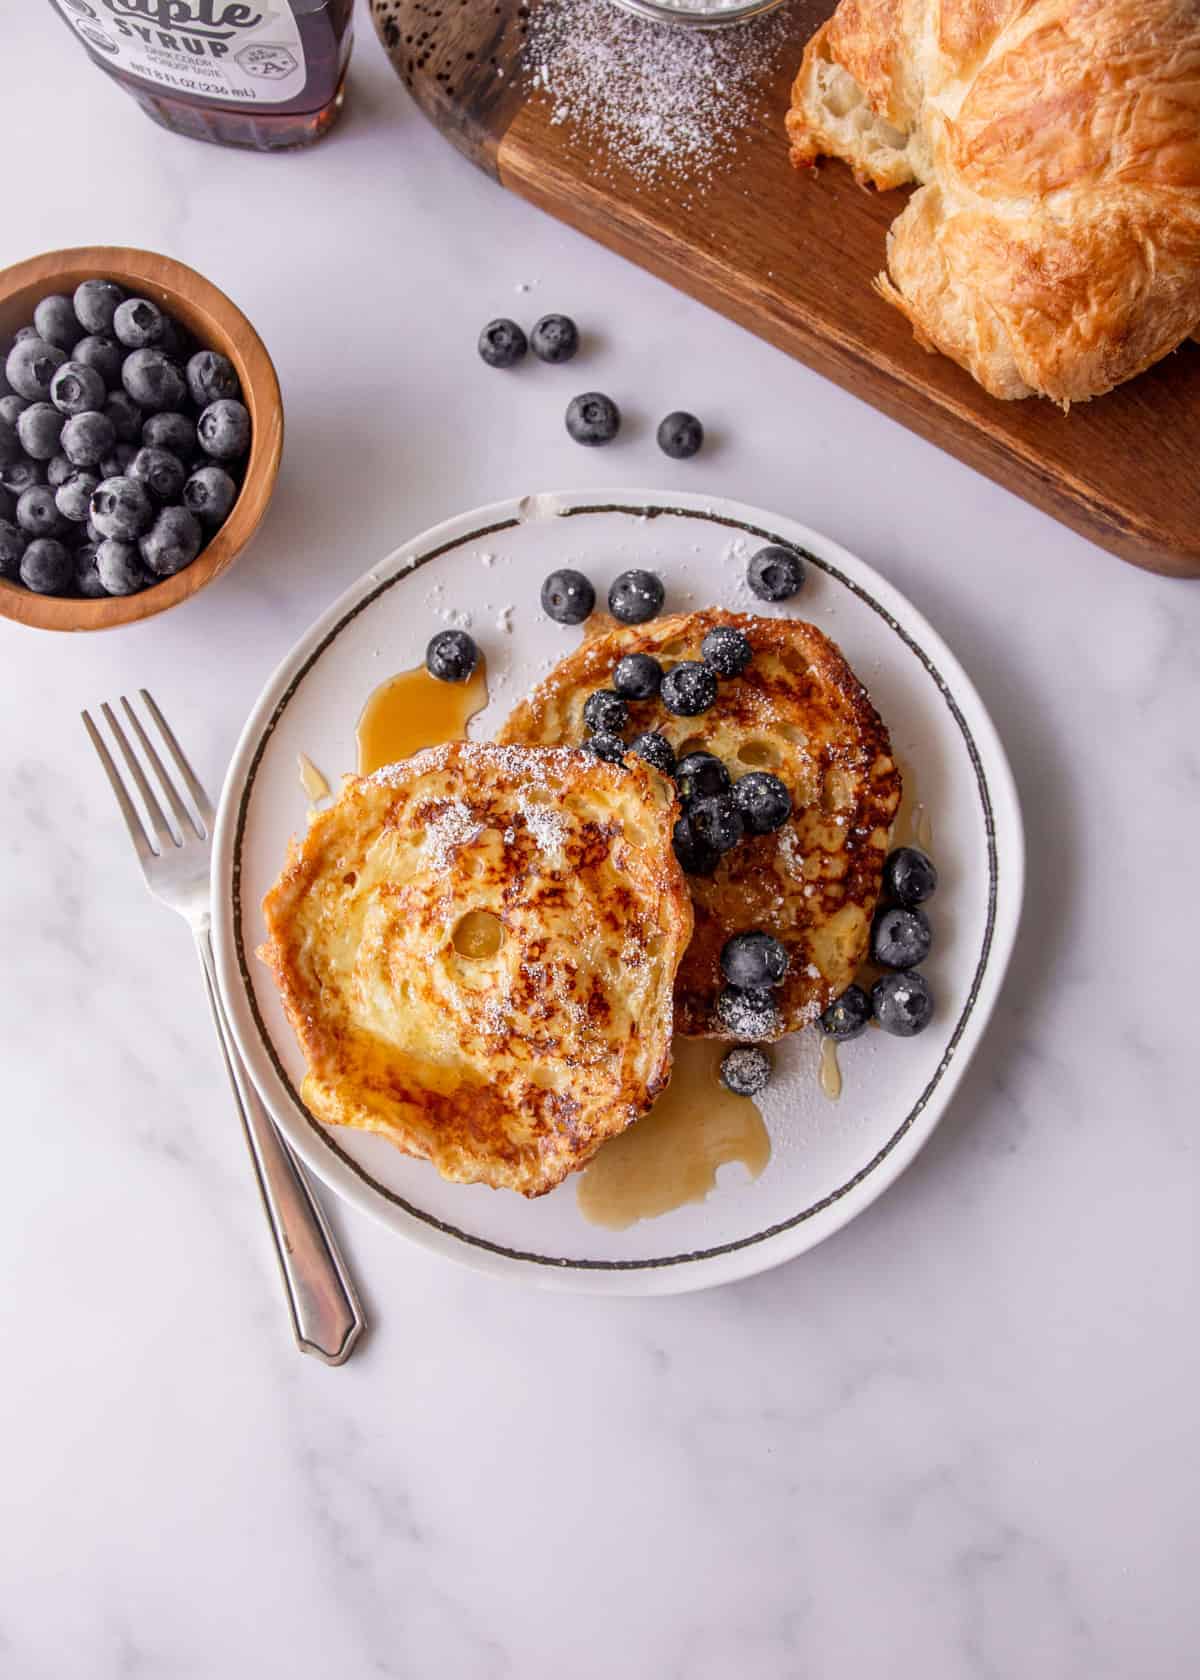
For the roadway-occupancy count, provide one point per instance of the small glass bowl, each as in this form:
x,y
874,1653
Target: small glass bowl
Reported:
x,y
699,14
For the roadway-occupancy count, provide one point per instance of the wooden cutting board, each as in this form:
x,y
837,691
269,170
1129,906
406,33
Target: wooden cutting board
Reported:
x,y
791,256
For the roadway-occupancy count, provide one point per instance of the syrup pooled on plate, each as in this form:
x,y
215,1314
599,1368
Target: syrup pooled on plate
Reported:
x,y
829,1073
415,710
913,826
671,1155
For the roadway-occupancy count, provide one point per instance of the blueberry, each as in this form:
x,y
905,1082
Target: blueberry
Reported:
x,y
726,651
451,656
688,688
119,567
775,573
161,472
701,775
899,938
47,567
748,1014
763,800
96,303
76,388
848,1015
30,367
604,744
152,380
637,676
716,821
10,442
87,439
18,475
11,408
126,416
555,338
171,430
635,597
903,1003
103,355
39,430
680,435
172,542
87,576
210,377
696,855
753,960
55,321
210,494
13,543
567,596
138,323
909,876
121,508
605,713
746,1070
502,344
117,462
37,511
73,498
656,750
224,429
175,340
22,333
593,419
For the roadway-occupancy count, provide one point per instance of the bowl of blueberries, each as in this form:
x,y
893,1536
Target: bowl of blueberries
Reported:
x,y
141,428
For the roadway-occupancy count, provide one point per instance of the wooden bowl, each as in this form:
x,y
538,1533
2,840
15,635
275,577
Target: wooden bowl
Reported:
x,y
219,325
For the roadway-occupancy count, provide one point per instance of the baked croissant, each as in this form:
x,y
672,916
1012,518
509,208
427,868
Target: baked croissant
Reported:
x,y
1053,247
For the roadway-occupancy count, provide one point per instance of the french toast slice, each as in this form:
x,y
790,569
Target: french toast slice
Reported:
x,y
476,949
799,712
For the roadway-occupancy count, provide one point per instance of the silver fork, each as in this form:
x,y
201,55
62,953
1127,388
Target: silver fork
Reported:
x,y
326,1315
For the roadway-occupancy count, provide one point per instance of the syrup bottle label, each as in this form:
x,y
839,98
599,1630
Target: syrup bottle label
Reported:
x,y
229,51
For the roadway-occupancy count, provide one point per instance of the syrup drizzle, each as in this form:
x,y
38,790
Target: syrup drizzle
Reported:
x,y
414,710
829,1073
671,1155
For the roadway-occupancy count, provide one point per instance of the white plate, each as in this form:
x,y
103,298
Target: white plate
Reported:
x,y
829,1160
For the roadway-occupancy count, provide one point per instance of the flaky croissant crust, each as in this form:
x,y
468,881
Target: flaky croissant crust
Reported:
x,y
1053,246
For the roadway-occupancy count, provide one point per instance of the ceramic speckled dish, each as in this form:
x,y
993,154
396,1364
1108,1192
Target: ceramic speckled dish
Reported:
x,y
829,1159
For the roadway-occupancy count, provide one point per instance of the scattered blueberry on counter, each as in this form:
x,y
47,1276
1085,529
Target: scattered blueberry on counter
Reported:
x,y
555,338
451,656
775,573
593,419
502,344
746,1070
680,435
122,458
568,596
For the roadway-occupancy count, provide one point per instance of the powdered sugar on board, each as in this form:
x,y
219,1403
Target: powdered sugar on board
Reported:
x,y
663,103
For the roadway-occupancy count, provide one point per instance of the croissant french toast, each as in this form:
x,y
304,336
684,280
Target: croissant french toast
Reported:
x,y
1053,245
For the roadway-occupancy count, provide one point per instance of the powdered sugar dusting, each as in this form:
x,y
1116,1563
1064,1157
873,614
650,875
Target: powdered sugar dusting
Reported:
x,y
666,103
454,826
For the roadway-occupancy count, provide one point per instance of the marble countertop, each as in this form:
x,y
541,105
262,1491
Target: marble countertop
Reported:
x,y
957,1440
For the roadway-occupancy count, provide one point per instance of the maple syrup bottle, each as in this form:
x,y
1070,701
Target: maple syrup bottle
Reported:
x,y
261,73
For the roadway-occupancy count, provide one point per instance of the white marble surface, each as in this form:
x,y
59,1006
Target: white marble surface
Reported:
x,y
956,1441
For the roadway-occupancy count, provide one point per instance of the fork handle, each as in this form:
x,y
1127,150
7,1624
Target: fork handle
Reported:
x,y
327,1317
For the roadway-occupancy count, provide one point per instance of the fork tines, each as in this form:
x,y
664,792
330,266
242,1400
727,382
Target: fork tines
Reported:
x,y
155,837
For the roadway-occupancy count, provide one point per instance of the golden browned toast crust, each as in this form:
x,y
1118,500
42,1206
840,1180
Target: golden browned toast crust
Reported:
x,y
800,712
476,950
